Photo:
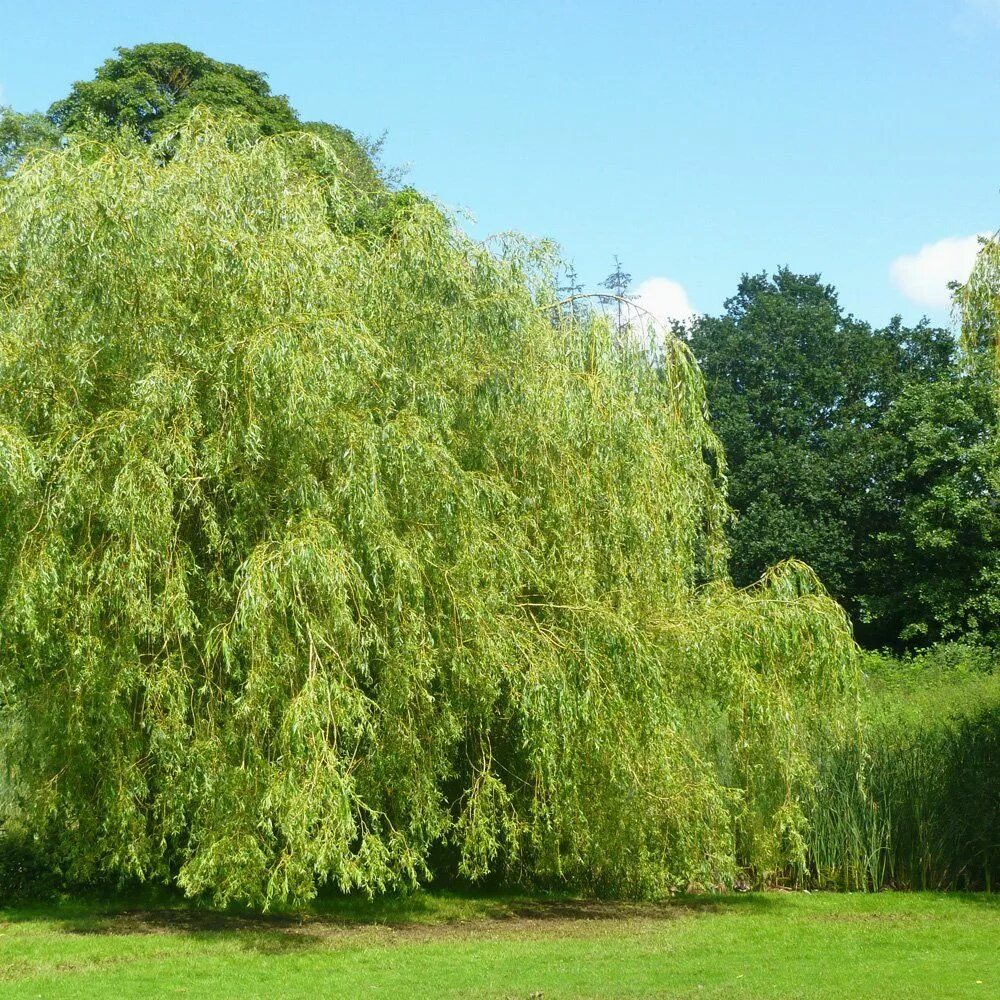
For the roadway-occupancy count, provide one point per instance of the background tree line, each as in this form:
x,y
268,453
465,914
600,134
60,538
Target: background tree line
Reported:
x,y
867,452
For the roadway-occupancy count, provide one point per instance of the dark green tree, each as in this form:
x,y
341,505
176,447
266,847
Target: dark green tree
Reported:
x,y
798,391
933,572
153,88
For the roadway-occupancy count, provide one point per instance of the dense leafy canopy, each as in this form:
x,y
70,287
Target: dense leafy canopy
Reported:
x,y
934,565
831,459
326,555
151,89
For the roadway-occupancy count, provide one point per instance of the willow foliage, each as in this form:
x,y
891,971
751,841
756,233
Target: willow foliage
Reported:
x,y
327,555
978,300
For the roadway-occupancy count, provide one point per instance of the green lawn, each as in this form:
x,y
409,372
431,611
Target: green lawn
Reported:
x,y
771,945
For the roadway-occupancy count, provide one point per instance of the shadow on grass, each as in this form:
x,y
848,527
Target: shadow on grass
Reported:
x,y
427,912
334,918
256,934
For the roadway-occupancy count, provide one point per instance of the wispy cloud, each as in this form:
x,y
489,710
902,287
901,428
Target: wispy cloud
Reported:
x,y
923,276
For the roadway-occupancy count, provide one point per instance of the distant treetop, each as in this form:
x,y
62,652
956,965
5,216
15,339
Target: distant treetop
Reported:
x,y
153,87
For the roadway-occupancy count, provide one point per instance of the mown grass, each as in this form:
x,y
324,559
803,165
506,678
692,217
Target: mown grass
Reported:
x,y
428,945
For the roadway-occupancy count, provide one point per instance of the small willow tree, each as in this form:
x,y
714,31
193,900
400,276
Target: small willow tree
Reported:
x,y
327,556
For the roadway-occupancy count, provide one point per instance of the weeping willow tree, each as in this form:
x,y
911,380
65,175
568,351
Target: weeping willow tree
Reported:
x,y
328,556
978,300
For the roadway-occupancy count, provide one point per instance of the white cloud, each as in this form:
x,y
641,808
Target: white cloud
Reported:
x,y
923,276
665,298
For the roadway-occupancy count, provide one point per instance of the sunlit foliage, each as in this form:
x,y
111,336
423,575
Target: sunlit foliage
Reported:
x,y
326,556
978,299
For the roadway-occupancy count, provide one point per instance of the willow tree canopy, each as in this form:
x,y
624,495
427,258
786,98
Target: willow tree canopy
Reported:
x,y
330,555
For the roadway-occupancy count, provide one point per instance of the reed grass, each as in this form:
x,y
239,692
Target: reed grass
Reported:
x,y
926,814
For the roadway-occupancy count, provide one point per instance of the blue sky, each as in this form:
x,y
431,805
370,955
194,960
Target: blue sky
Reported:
x,y
697,140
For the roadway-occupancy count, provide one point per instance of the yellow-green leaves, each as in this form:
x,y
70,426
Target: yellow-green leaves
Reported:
x,y
325,554
978,300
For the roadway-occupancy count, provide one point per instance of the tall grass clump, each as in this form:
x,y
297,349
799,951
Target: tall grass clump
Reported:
x,y
926,814
327,556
